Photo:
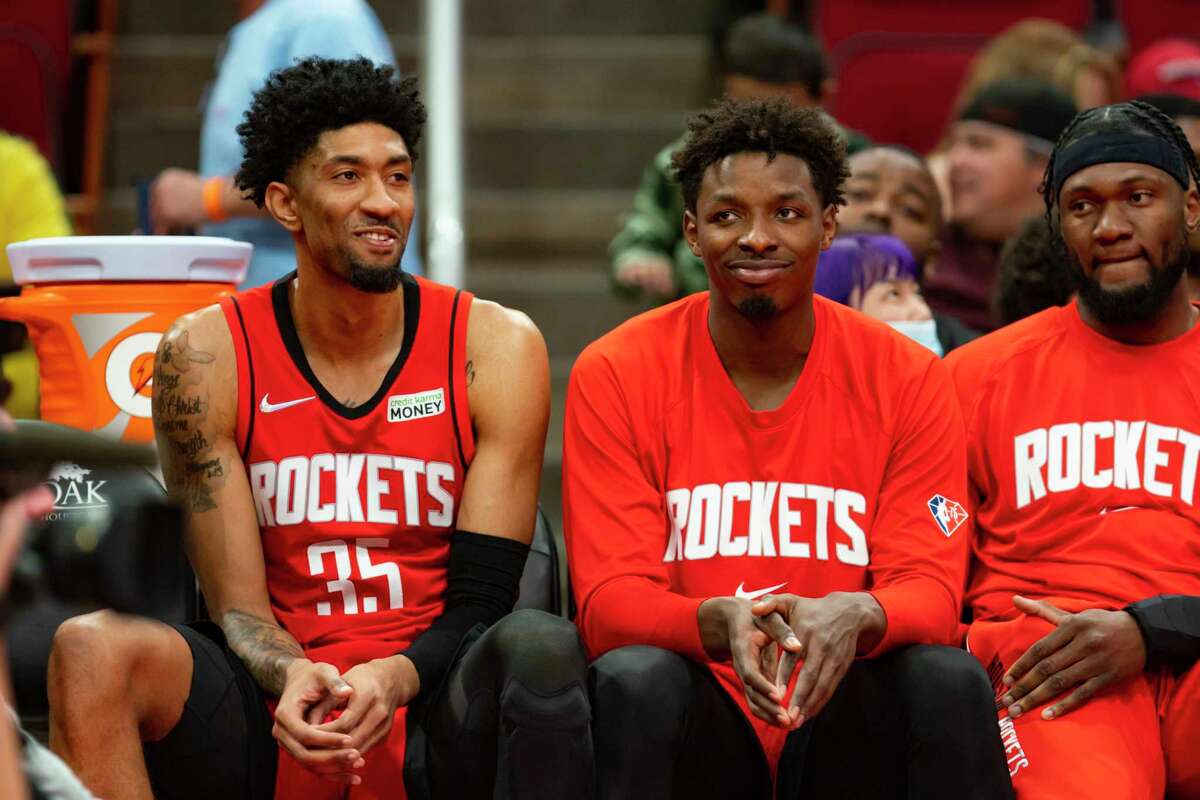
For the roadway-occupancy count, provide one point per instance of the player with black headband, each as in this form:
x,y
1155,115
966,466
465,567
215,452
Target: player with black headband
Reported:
x,y
1083,447
360,451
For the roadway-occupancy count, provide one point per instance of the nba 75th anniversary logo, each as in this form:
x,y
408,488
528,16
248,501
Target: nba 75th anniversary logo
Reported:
x,y
947,514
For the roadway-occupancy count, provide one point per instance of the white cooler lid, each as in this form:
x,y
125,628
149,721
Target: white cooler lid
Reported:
x,y
97,259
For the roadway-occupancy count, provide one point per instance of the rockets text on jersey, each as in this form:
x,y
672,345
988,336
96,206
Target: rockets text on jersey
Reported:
x,y
766,519
331,487
1100,454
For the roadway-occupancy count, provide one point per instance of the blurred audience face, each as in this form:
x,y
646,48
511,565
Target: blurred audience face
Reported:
x,y
895,301
743,87
891,191
1126,226
759,227
994,179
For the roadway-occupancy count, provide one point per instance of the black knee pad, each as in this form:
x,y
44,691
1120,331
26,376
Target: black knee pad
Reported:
x,y
545,743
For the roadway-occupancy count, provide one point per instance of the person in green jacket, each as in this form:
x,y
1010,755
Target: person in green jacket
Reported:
x,y
765,56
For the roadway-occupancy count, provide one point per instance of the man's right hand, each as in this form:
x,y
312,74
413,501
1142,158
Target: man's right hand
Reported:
x,y
328,754
651,275
728,631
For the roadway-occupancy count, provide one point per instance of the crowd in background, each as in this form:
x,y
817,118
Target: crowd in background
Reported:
x,y
946,245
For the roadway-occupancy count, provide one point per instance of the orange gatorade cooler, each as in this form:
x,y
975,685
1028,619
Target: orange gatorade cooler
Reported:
x,y
96,308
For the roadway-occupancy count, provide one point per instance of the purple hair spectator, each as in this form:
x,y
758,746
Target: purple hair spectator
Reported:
x,y
877,275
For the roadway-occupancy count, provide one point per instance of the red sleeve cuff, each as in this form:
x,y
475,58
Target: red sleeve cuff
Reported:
x,y
917,613
624,613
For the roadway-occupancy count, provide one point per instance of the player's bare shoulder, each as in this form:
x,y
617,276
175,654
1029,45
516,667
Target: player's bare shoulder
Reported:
x,y
503,345
194,403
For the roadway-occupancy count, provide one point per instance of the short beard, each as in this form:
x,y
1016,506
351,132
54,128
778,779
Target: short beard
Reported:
x,y
376,280
1135,304
758,308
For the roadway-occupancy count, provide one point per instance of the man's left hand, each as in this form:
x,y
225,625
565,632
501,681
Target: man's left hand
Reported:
x,y
832,630
1086,652
380,687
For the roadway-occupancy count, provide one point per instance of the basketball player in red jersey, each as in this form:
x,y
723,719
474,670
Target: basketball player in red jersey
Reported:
x,y
360,451
1083,441
757,443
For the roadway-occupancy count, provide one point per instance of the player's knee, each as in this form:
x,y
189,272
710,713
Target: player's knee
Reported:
x,y
639,688
945,683
542,652
88,656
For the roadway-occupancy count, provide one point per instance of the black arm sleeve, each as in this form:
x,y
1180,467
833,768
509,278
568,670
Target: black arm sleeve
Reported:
x,y
481,587
1170,625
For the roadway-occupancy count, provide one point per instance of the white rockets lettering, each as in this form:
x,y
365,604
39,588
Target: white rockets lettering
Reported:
x,y
291,491
702,522
1064,457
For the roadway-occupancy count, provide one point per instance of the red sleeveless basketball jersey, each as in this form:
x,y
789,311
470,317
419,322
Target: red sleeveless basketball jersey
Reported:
x,y
356,505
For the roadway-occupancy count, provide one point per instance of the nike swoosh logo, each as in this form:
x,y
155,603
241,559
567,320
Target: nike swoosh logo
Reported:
x,y
741,592
1107,510
267,407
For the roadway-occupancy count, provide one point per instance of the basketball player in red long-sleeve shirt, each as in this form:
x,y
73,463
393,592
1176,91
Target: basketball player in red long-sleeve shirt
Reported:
x,y
1083,428
360,452
750,443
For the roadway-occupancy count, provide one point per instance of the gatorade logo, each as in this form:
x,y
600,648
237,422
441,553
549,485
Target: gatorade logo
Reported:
x,y
127,375
121,348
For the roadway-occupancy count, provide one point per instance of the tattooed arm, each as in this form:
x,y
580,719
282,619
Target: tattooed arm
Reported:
x,y
195,413
195,416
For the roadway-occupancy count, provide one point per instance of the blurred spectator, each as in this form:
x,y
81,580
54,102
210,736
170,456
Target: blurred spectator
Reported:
x,y
271,34
1047,51
997,152
1171,66
764,56
24,764
892,191
31,207
1186,113
1033,274
1184,110
877,275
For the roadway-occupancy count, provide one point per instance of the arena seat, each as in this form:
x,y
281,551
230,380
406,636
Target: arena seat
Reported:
x,y
35,61
899,88
900,63
838,20
540,587
1145,23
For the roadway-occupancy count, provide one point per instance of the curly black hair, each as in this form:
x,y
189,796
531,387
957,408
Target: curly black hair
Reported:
x,y
299,103
1033,274
763,126
1133,115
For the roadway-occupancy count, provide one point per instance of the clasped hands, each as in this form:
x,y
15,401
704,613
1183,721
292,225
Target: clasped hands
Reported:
x,y
768,639
366,695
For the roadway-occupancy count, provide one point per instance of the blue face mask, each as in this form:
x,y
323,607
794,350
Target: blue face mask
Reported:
x,y
922,331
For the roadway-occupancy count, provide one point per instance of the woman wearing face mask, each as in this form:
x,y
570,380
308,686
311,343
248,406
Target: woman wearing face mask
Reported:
x,y
877,275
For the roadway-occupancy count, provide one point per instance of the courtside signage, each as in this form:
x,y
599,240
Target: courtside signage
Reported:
x,y
405,407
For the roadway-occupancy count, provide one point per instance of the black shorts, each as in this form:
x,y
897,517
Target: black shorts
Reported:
x,y
222,746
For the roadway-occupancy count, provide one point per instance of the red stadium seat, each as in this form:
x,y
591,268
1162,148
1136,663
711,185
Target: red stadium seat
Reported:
x,y
899,88
1146,23
837,20
34,60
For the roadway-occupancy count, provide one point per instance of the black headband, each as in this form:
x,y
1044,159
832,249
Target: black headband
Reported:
x,y
1107,148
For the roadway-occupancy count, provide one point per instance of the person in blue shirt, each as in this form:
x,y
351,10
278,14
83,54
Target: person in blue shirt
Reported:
x,y
271,35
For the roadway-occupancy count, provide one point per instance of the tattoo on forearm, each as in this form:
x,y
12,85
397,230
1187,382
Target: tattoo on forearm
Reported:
x,y
470,372
265,648
180,405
